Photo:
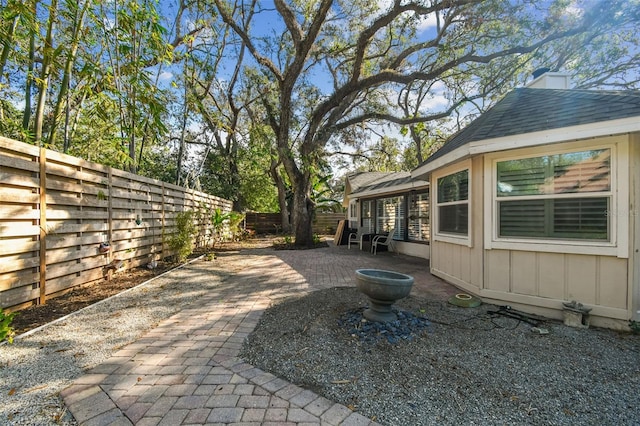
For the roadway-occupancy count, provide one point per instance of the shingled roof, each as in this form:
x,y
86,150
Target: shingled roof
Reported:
x,y
358,180
387,180
527,110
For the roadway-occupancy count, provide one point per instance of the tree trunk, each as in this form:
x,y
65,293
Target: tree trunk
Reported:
x,y
68,69
7,43
416,140
302,214
26,117
285,222
234,181
47,63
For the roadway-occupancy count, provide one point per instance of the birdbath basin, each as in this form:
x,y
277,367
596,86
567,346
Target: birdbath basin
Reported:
x,y
383,288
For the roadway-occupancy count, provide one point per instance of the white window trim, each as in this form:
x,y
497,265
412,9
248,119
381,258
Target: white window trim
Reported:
x,y
361,218
353,212
398,228
619,225
464,240
422,222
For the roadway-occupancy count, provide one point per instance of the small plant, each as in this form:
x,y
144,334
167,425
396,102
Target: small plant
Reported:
x,y
218,219
316,239
634,326
235,219
288,240
6,331
182,240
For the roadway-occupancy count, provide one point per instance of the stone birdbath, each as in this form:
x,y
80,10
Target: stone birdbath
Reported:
x,y
383,288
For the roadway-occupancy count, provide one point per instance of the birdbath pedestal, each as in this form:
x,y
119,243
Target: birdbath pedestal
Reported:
x,y
383,288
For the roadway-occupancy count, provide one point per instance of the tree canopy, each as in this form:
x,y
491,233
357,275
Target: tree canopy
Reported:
x,y
255,100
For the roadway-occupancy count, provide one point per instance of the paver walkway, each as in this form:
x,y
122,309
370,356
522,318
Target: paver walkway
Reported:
x,y
187,370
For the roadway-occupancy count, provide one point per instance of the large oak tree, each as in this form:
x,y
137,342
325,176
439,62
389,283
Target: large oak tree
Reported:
x,y
334,63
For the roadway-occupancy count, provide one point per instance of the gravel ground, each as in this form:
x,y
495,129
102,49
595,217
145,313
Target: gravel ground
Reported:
x,y
38,365
467,367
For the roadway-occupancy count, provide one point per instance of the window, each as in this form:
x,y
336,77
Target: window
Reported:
x,y
563,196
353,214
453,203
418,219
367,217
390,215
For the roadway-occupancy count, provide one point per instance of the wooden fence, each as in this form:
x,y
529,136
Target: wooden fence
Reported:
x,y
59,213
269,223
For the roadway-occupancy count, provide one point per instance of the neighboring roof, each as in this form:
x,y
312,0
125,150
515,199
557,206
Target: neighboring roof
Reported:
x,y
376,183
528,110
387,181
360,179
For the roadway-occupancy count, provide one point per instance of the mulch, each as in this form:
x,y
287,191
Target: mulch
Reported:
x,y
82,296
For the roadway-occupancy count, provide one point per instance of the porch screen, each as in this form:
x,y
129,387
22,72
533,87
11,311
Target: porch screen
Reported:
x,y
563,196
390,215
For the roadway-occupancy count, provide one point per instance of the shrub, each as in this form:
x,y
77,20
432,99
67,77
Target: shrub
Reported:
x,y
6,331
235,219
182,240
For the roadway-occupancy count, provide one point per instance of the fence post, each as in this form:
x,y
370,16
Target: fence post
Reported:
x,y
163,225
43,226
110,221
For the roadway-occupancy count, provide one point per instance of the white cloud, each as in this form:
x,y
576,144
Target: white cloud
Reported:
x,y
435,101
574,10
427,22
165,76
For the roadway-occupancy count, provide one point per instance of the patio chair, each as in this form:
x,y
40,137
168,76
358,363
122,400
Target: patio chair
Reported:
x,y
382,240
353,238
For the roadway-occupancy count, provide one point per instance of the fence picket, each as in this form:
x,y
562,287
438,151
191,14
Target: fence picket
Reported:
x,y
55,210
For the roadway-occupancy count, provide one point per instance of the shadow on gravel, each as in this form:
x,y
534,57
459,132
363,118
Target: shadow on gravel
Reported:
x,y
468,366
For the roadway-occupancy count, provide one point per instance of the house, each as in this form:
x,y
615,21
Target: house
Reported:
x,y
378,202
535,203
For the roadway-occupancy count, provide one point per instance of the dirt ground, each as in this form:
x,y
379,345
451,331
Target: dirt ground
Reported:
x,y
37,315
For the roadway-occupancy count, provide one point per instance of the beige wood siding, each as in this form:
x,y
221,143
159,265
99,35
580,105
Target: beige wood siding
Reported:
x,y
458,263
592,280
541,281
634,226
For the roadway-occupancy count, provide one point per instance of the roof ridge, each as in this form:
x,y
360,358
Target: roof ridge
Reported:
x,y
526,110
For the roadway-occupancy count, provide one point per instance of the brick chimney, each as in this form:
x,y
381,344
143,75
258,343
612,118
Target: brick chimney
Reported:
x,y
543,79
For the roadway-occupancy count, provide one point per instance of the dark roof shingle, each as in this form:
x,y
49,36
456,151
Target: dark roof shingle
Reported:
x,y
527,110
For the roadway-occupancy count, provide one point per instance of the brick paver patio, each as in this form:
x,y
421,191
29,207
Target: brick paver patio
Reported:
x,y
187,370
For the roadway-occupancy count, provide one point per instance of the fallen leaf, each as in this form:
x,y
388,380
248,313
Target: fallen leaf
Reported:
x,y
12,391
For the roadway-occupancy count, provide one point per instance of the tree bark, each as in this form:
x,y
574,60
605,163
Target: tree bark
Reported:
x,y
68,69
303,209
26,117
285,221
47,61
